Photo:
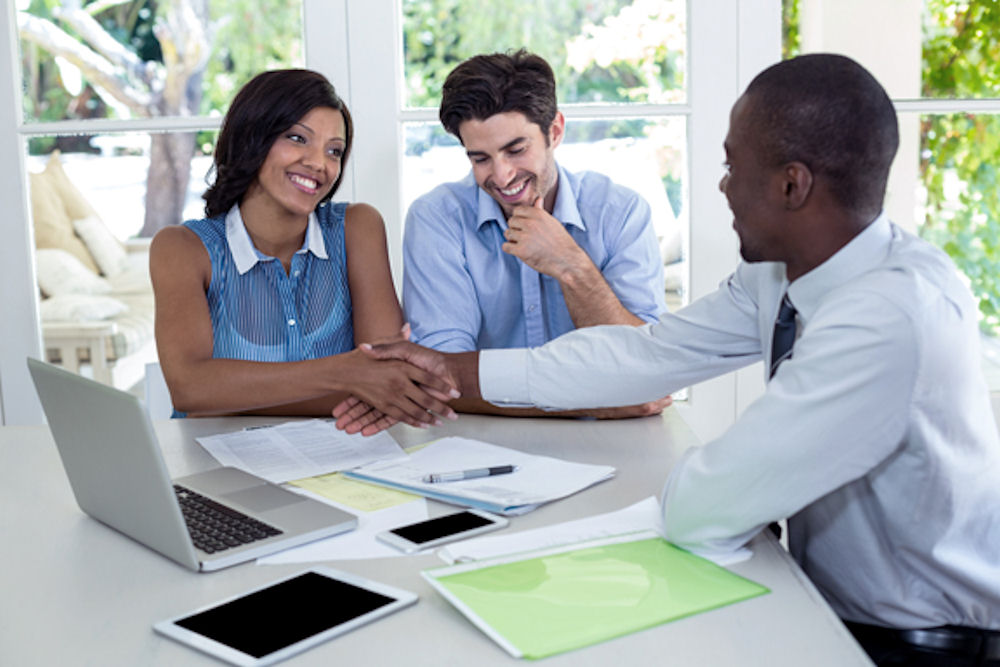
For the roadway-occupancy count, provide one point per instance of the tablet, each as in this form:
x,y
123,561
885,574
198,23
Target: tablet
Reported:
x,y
268,624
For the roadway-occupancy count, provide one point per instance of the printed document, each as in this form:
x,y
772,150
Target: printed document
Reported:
x,y
537,479
298,449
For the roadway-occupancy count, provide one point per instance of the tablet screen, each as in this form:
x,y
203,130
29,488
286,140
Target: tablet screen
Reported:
x,y
272,618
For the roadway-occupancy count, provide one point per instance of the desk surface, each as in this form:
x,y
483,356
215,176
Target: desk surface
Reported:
x,y
76,592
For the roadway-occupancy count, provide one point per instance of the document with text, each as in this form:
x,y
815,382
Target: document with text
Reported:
x,y
298,449
535,480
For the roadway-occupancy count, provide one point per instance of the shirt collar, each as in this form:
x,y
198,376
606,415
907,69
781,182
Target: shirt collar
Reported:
x,y
246,255
565,210
865,251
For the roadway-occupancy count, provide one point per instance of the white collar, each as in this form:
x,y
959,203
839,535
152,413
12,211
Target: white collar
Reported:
x,y
861,254
246,255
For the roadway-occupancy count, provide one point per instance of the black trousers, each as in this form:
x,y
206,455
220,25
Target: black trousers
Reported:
x,y
946,646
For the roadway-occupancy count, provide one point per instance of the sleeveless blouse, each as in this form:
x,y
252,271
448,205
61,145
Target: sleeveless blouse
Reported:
x,y
265,314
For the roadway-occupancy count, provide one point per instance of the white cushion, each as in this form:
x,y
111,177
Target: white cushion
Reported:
x,y
135,277
59,272
108,251
79,308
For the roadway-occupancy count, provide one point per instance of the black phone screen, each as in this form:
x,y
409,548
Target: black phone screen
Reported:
x,y
442,526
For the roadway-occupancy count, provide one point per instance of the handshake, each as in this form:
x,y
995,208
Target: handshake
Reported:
x,y
404,382
398,381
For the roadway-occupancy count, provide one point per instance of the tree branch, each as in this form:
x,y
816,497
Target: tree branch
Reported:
x,y
99,6
185,48
96,69
98,38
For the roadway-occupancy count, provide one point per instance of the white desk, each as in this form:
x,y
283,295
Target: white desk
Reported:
x,y
76,592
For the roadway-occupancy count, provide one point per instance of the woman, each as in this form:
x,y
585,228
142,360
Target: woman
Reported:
x,y
259,305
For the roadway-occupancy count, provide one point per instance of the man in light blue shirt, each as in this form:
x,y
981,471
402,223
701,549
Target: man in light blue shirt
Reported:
x,y
522,251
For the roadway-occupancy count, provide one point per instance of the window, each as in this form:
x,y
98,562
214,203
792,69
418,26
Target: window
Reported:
x,y
620,71
168,69
938,64
359,45
686,112
124,99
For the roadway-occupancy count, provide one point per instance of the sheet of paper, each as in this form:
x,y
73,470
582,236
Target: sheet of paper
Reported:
x,y
642,516
358,543
295,450
538,479
354,494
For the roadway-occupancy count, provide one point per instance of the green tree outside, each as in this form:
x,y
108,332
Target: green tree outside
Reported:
x,y
961,59
958,152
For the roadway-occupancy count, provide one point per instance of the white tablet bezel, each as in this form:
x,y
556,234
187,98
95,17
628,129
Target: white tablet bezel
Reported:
x,y
407,546
168,627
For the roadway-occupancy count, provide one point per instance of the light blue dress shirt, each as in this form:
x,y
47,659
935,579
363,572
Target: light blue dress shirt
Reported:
x,y
462,292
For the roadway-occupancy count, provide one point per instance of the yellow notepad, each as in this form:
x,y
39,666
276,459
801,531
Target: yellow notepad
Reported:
x,y
542,603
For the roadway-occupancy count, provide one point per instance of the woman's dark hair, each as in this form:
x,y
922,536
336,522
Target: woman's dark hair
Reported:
x,y
485,85
266,106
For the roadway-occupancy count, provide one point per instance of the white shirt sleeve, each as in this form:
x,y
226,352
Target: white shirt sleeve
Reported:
x,y
616,365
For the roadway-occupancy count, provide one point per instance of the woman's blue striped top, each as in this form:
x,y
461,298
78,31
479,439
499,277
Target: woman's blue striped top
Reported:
x,y
264,314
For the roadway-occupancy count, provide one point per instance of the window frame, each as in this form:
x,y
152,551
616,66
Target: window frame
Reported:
x,y
728,42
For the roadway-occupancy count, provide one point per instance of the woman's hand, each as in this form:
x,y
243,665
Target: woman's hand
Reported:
x,y
355,414
391,390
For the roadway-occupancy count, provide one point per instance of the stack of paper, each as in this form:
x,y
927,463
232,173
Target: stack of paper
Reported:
x,y
297,449
538,479
643,516
542,603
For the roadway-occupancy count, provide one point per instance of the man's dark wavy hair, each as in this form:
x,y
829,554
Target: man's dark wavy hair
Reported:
x,y
485,85
266,106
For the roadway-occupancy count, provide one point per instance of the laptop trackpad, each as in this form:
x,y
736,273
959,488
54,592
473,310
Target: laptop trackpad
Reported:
x,y
263,497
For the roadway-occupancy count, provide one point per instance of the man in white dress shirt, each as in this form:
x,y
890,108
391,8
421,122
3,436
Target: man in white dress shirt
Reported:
x,y
874,438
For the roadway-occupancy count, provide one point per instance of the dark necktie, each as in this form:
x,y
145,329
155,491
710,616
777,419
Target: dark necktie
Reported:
x,y
784,334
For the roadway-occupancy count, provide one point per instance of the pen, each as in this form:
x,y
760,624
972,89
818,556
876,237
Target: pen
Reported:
x,y
459,475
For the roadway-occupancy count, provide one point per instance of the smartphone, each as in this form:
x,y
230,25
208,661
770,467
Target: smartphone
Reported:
x,y
441,530
275,621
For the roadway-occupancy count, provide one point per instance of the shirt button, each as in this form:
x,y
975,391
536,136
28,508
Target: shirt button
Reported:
x,y
297,273
532,308
291,323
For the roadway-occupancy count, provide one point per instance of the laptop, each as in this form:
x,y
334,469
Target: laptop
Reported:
x,y
114,465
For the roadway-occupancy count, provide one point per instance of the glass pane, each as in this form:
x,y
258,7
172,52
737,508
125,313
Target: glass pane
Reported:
x,y
960,204
647,156
600,50
103,60
110,172
936,48
944,180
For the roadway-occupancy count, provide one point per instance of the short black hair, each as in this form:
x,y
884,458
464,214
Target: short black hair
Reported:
x,y
488,84
266,106
828,112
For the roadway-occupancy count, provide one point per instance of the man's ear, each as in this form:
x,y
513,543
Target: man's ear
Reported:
x,y
557,129
797,183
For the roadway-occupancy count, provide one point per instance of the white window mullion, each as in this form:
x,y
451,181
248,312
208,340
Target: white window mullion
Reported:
x,y
713,75
326,39
19,328
375,65
730,41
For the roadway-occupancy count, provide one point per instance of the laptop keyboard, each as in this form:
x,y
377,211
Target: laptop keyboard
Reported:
x,y
215,527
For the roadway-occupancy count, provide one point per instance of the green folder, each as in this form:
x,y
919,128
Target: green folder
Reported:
x,y
542,603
